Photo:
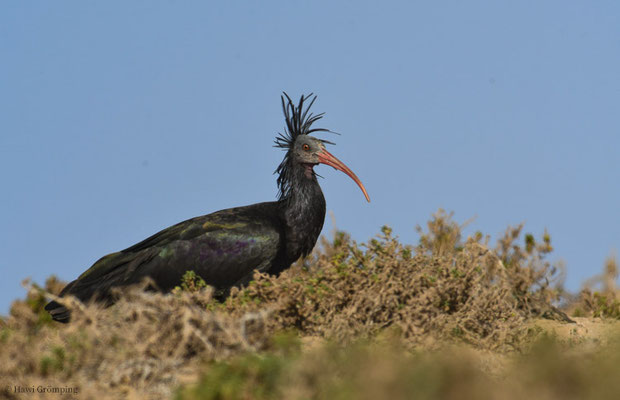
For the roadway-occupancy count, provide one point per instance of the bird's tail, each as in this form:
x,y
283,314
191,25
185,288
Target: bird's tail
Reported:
x,y
58,312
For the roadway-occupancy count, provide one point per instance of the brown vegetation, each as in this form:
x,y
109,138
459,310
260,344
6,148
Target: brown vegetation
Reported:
x,y
448,318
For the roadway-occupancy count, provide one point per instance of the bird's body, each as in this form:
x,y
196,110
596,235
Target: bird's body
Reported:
x,y
226,247
223,248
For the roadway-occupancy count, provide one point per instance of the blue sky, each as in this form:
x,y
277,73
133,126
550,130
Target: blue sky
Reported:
x,y
121,118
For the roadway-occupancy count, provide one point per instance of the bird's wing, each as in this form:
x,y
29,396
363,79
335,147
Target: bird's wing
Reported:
x,y
223,247
185,230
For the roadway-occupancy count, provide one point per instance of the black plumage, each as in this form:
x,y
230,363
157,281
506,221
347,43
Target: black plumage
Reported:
x,y
225,247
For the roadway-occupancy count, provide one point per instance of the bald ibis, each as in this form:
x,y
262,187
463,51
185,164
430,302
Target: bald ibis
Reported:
x,y
225,247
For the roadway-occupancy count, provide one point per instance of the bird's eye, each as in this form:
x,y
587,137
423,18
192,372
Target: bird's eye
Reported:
x,y
306,147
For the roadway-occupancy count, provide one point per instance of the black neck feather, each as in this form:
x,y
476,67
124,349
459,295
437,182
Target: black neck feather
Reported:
x,y
303,212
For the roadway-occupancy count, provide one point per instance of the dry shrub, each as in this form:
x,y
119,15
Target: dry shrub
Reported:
x,y
604,302
143,344
442,290
445,289
530,273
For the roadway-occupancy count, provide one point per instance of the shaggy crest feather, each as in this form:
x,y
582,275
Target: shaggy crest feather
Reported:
x,y
299,122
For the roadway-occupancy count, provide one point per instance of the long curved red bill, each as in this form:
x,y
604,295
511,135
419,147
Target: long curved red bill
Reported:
x,y
325,157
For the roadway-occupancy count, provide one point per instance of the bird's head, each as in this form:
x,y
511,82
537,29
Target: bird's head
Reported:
x,y
305,151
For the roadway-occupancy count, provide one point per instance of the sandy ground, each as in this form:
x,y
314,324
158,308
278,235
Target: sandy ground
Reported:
x,y
593,331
